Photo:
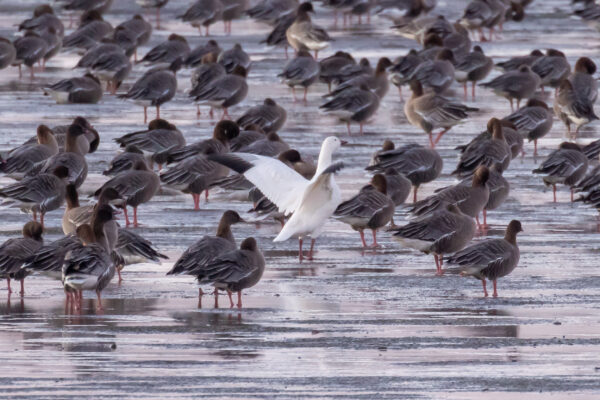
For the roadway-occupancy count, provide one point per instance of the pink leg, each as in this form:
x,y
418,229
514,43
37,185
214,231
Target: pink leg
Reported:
x,y
145,114
119,273
239,303
437,265
400,92
8,285
571,195
478,224
230,299
485,293
126,217
300,255
312,246
216,293
535,147
362,238
34,215
305,93
157,17
294,94
198,113
135,221
22,286
495,290
99,307
554,192
196,198
361,129
211,113
439,136
375,244
465,90
206,195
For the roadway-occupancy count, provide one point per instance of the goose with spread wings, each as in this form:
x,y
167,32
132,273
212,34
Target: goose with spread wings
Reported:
x,y
312,202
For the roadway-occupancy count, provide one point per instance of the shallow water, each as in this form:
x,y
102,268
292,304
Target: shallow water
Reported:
x,y
351,324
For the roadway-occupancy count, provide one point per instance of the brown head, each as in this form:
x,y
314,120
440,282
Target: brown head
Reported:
x,y
445,54
555,53
497,129
33,230
85,233
225,131
61,172
416,88
343,54
517,12
291,156
45,135
388,145
273,137
585,65
513,228
481,176
43,9
90,16
249,244
269,102
209,58
432,40
71,197
536,103
382,65
73,132
176,37
160,123
303,10
536,53
524,69
364,62
569,146
102,215
239,71
228,218
380,183
478,49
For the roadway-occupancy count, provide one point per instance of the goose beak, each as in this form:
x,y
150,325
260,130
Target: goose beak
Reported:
x,y
344,142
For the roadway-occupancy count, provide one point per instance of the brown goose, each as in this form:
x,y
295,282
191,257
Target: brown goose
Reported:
x,y
30,49
237,270
87,143
304,35
551,68
224,92
195,259
124,161
40,193
135,187
470,199
418,164
475,67
490,259
154,88
89,266
516,62
445,231
22,159
92,29
533,121
356,104
83,90
269,116
371,209
437,74
303,71
164,54
15,252
234,57
567,165
203,13
430,111
518,84
513,138
7,53
485,152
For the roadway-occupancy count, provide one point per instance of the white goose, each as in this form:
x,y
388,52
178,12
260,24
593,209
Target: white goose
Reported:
x,y
311,202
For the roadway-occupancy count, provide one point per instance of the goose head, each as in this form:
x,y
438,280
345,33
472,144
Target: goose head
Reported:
x,y
329,146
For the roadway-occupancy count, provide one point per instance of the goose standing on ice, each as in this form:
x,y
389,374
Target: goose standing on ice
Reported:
x,y
312,202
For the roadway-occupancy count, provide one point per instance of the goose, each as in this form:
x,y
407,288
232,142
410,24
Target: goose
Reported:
x,y
475,67
203,77
470,199
437,74
371,208
83,90
533,121
490,259
15,252
203,13
164,54
135,187
377,82
277,37
430,111
304,35
23,158
270,146
43,19
8,53
592,150
160,136
352,70
30,49
40,193
124,161
195,259
101,49
196,56
100,6
398,188
269,11
236,56
89,266
133,248
251,134
403,68
418,164
53,42
311,202
567,165
356,104
113,67
158,4
138,29
269,117
485,152
518,84
303,71
331,66
125,39
224,92
154,88
551,68
445,231
513,138
72,159
92,29
237,270
516,62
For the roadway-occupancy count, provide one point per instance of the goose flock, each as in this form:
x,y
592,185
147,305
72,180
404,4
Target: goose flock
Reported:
x,y
250,155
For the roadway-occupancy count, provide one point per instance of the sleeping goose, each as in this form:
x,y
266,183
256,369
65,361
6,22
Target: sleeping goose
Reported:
x,y
236,56
203,13
445,231
371,209
551,68
224,92
83,90
92,29
567,165
311,202
356,104
418,164
516,62
23,158
14,253
269,116
165,53
490,259
518,84
303,70
513,138
196,56
533,121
